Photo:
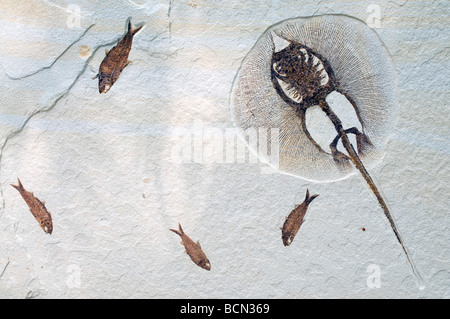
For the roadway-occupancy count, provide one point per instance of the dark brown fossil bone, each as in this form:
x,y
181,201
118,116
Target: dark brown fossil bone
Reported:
x,y
298,75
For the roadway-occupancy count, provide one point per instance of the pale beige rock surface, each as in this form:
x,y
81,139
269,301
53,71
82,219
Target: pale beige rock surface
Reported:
x,y
112,171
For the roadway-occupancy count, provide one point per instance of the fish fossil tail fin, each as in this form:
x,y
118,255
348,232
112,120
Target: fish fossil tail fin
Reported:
x,y
132,31
309,199
179,231
19,187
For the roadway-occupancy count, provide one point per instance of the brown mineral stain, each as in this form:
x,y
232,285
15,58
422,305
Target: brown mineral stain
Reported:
x,y
84,51
192,3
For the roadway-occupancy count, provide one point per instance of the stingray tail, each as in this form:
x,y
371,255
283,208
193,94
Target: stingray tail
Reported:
x,y
360,166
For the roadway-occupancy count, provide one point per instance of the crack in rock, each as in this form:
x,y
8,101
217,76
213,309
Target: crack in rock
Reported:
x,y
46,109
169,11
4,268
52,63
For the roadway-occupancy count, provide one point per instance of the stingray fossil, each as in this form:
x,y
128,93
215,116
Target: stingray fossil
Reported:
x,y
298,66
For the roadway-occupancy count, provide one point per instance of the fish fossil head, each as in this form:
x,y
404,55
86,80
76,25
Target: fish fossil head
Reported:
x,y
287,238
300,75
205,264
46,225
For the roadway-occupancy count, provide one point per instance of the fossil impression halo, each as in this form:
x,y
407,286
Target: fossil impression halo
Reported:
x,y
363,73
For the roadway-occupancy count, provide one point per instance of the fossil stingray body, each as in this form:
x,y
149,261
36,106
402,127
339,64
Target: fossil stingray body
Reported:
x,y
294,67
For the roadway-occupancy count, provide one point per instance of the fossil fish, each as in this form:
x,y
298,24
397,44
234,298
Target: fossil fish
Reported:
x,y
295,220
115,61
193,249
37,208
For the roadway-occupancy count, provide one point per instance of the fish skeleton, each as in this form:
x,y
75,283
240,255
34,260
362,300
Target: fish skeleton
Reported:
x,y
37,208
295,219
193,249
115,61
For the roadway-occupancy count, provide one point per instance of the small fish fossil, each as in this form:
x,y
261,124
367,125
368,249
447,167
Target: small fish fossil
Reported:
x,y
295,220
115,61
193,249
37,208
